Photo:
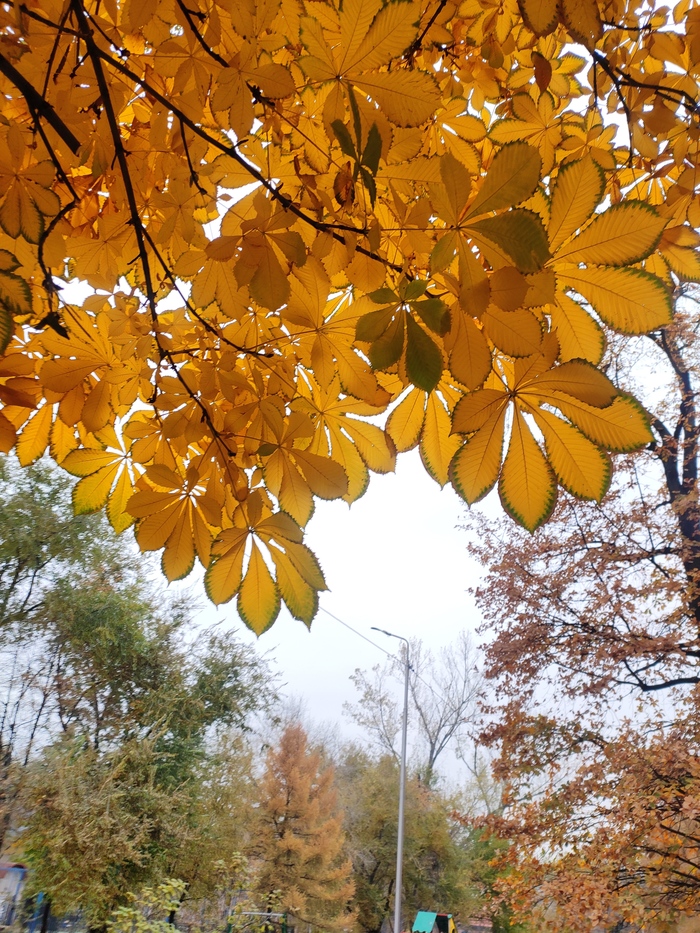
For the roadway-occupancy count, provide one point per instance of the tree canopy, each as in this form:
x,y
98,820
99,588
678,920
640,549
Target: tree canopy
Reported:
x,y
121,757
595,655
294,216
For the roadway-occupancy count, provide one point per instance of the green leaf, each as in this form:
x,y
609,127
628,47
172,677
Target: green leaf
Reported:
x,y
370,184
384,296
412,290
519,234
424,362
344,138
373,150
435,314
7,328
388,349
357,122
512,178
371,326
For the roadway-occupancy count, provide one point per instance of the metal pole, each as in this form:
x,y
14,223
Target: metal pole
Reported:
x,y
402,786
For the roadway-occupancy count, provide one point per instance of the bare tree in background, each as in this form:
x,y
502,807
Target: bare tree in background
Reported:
x,y
443,689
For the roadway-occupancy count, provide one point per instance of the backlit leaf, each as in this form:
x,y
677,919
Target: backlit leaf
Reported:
x,y
581,467
437,445
621,427
541,16
629,300
406,420
624,234
512,177
475,466
259,598
223,577
423,358
34,437
527,486
578,191
519,234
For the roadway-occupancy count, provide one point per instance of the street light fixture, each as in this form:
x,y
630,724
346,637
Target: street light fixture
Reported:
x,y
402,786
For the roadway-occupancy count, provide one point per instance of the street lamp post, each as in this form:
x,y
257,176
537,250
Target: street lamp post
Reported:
x,y
402,786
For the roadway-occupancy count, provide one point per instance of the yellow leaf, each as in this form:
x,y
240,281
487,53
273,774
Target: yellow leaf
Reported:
x,y
88,460
579,336
14,293
578,379
63,375
578,191
97,409
407,98
475,466
306,564
474,410
178,557
405,422
527,486
300,598
118,517
457,182
391,32
19,214
294,493
437,443
624,234
508,288
326,479
621,427
154,530
374,445
346,454
366,273
223,577
356,17
581,467
8,435
259,598
201,535
275,81
517,333
684,262
629,300
35,435
90,494
7,327
63,441
582,18
469,354
280,527
541,16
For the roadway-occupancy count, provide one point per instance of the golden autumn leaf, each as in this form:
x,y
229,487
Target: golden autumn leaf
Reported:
x,y
309,236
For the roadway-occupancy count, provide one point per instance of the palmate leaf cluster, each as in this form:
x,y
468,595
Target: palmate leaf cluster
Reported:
x,y
295,216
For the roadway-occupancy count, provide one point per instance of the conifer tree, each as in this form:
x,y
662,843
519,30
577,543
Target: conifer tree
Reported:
x,y
299,842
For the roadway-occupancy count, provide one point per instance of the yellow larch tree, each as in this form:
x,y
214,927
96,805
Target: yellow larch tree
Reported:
x,y
298,848
291,217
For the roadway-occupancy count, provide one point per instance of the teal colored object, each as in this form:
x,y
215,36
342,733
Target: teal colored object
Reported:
x,y
430,922
424,922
